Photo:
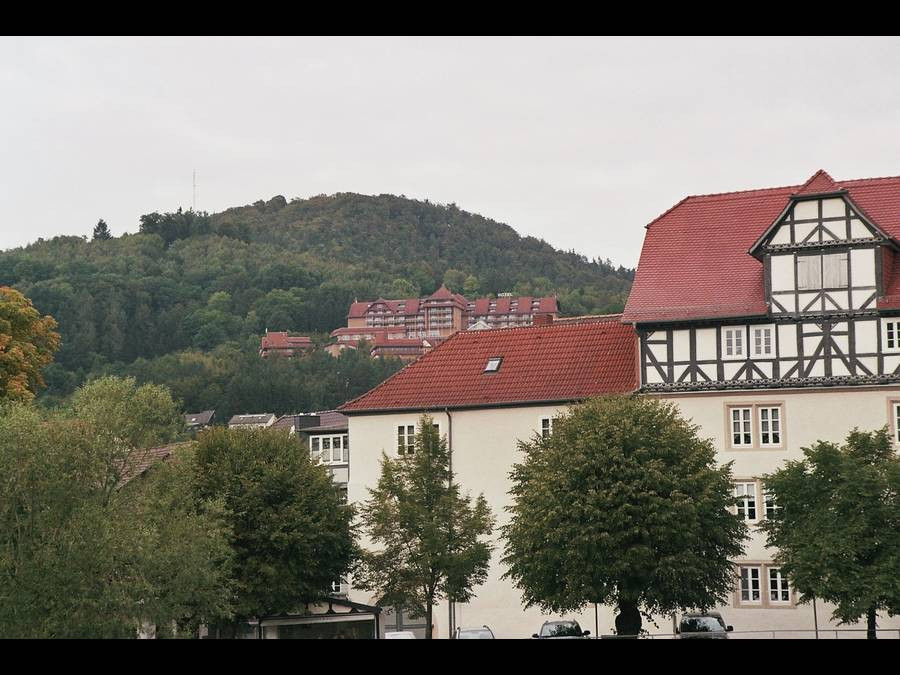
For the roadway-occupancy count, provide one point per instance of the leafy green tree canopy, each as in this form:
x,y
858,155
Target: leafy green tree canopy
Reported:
x,y
81,558
291,531
622,505
431,537
836,525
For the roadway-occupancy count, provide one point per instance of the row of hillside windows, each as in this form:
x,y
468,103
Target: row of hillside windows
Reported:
x,y
777,589
768,428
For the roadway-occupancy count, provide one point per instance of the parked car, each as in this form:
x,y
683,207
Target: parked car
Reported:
x,y
561,629
483,633
400,635
703,626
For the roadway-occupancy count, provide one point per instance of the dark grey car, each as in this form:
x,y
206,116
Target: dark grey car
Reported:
x,y
561,629
703,626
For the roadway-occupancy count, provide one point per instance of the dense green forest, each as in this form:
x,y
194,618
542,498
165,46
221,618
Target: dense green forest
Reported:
x,y
184,301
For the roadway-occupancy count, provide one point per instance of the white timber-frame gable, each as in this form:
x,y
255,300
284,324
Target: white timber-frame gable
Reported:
x,y
822,259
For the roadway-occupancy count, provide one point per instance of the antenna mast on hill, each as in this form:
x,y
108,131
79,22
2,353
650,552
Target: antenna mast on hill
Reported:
x,y
195,192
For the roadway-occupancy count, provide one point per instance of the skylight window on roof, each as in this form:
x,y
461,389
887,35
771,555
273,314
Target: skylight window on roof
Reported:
x,y
493,364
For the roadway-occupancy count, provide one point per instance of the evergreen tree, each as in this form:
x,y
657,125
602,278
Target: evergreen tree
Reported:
x,y
101,231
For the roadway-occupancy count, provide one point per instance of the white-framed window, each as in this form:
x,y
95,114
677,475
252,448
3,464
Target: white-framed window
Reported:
x,y
546,427
741,427
340,586
331,449
770,506
733,342
895,410
762,340
746,494
890,341
770,426
493,364
750,589
779,591
406,439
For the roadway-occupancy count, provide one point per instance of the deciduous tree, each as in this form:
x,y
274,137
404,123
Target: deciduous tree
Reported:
x,y
291,531
27,343
622,505
836,526
431,537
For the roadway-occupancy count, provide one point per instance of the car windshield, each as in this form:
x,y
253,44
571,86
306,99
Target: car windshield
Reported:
x,y
701,624
475,634
561,629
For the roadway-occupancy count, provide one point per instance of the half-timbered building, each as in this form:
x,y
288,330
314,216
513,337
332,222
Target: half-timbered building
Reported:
x,y
772,319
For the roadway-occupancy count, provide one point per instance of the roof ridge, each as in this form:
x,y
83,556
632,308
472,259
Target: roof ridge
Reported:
x,y
780,187
736,193
564,321
867,180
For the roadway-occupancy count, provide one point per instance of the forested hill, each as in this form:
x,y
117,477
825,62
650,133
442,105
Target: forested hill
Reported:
x,y
200,282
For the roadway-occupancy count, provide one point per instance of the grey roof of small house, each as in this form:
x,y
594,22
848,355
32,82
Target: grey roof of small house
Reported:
x,y
329,420
200,418
262,418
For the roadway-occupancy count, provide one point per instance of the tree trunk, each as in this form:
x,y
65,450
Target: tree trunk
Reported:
x,y
628,620
871,616
428,614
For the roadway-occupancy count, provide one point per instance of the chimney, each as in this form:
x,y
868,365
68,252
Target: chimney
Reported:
x,y
542,320
306,420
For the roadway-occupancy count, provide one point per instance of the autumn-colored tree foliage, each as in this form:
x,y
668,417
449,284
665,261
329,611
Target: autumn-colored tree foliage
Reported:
x,y
27,343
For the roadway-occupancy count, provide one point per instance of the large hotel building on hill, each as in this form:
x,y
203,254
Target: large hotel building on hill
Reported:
x,y
420,323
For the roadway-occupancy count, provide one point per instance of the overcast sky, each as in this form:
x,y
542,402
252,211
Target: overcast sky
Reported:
x,y
580,141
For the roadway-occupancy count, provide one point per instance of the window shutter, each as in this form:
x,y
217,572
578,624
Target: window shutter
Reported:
x,y
802,272
834,268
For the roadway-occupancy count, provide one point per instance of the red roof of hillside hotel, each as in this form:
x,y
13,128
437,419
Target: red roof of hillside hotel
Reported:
x,y
562,362
281,340
695,262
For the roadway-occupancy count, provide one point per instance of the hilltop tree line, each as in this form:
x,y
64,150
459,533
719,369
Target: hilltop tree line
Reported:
x,y
190,283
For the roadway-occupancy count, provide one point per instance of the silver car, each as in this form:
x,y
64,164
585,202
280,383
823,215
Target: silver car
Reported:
x,y
483,633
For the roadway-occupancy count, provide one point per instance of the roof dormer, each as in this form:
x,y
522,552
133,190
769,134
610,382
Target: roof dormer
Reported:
x,y
818,215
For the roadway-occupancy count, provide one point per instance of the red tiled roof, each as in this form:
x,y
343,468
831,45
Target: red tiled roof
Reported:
x,y
369,330
695,262
139,461
559,362
281,340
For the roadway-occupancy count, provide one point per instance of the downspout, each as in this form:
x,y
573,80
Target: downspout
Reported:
x,y
451,608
